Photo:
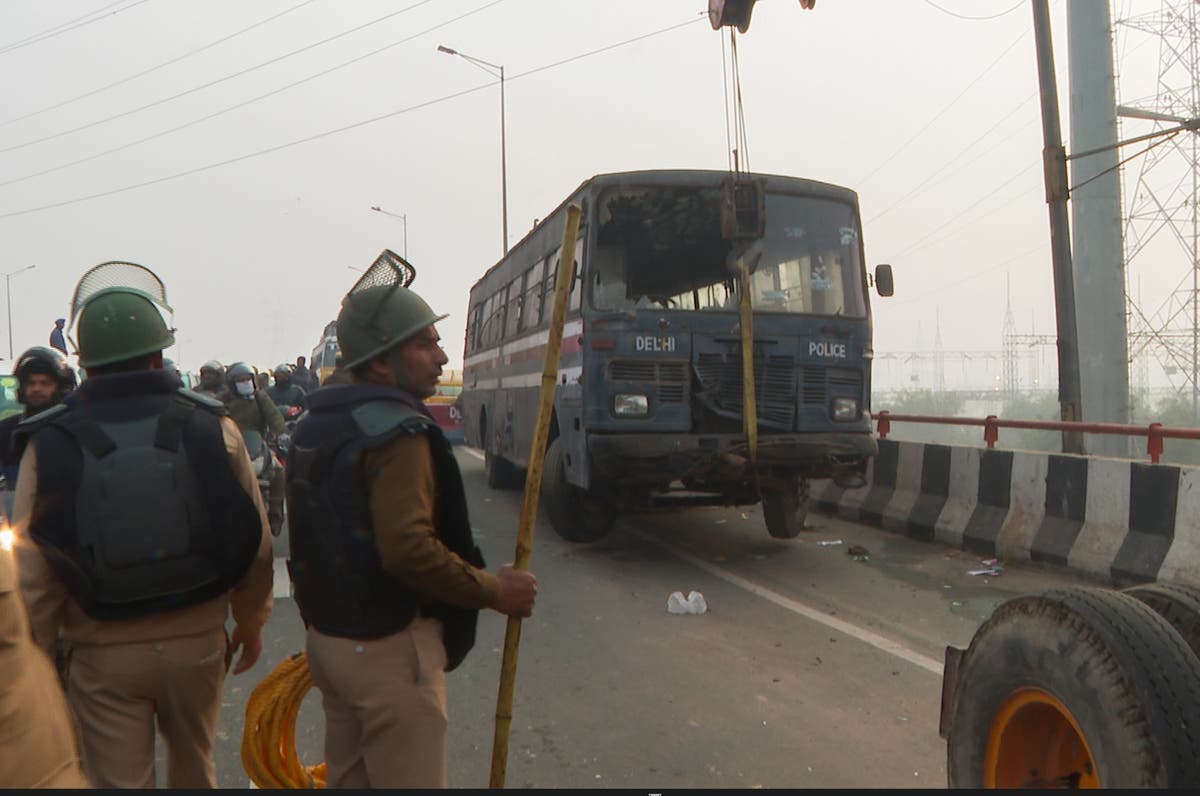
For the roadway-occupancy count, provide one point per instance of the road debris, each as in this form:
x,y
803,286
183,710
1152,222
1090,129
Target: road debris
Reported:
x,y
858,552
991,566
692,604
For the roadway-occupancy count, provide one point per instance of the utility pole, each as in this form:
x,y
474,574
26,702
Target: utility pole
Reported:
x,y
1054,158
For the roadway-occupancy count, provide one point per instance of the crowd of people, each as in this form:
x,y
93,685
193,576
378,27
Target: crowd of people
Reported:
x,y
137,552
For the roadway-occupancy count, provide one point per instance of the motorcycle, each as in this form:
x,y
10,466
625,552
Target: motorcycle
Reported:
x,y
266,462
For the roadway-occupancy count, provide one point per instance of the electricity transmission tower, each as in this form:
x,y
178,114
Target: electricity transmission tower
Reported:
x,y
1161,186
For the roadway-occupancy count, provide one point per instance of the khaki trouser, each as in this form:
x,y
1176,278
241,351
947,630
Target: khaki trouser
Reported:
x,y
117,691
385,707
37,739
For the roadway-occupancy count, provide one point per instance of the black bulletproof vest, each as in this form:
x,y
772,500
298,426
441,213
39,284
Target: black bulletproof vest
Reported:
x,y
340,585
138,508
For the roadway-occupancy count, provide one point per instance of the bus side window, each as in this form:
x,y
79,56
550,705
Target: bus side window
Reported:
x,y
496,331
532,315
485,329
548,291
473,328
577,274
515,300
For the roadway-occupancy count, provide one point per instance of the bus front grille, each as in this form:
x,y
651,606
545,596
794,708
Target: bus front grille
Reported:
x,y
670,378
816,384
720,377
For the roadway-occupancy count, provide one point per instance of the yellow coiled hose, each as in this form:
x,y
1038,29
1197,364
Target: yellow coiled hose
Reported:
x,y
269,736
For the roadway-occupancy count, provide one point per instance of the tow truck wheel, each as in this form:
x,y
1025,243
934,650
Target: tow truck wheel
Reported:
x,y
785,508
1075,687
1178,604
574,514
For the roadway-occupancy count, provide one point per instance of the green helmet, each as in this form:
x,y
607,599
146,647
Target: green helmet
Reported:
x,y
117,324
378,313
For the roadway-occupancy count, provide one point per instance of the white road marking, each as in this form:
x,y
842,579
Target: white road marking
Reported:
x,y
477,454
282,583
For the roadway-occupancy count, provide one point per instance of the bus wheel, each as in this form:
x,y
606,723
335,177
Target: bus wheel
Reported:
x,y
1178,604
501,474
574,514
785,508
1075,687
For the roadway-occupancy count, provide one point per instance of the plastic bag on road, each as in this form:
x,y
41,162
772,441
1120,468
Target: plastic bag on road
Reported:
x,y
692,604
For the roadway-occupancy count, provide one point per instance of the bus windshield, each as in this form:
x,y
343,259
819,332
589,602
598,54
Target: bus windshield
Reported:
x,y
661,247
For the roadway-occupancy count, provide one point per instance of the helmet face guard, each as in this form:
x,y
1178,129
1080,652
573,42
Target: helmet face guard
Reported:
x,y
117,313
380,311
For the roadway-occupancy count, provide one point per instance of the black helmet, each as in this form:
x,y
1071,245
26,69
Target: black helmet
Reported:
x,y
48,362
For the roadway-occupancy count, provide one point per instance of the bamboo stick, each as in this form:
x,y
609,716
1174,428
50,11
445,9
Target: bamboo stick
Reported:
x,y
533,484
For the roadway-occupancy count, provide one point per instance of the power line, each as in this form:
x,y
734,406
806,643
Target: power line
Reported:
x,y
972,276
916,245
975,19
212,83
345,128
65,27
243,104
145,72
944,110
926,182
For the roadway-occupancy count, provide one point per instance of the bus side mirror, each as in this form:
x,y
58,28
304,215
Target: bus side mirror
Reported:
x,y
883,280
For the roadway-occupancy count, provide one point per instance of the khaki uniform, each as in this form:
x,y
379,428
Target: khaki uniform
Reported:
x,y
125,675
38,747
385,699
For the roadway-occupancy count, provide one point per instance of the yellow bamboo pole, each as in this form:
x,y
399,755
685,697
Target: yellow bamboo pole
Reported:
x,y
749,405
533,485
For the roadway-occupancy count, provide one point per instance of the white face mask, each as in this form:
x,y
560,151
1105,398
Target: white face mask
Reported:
x,y
244,388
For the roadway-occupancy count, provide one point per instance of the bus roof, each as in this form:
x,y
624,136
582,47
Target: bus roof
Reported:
x,y
698,177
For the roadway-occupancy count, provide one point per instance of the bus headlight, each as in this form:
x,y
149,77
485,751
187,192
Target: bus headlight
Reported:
x,y
845,409
630,405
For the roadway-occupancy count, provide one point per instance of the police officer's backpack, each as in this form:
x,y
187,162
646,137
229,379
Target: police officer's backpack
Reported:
x,y
156,524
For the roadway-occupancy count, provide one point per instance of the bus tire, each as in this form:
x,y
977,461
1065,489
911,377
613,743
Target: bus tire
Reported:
x,y
501,474
785,509
1083,687
574,515
1177,603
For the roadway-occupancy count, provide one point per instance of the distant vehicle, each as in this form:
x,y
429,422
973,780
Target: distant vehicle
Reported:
x,y
325,354
8,396
444,406
649,407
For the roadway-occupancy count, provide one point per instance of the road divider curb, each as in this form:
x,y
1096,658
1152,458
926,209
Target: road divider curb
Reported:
x,y
1131,522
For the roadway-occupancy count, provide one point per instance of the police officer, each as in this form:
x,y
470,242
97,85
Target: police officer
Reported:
x,y
44,377
39,747
386,572
142,530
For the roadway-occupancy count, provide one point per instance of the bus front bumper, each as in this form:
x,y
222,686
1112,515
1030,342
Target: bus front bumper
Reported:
x,y
667,457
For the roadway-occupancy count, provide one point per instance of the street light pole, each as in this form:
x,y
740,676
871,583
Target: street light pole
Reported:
x,y
403,218
8,297
487,67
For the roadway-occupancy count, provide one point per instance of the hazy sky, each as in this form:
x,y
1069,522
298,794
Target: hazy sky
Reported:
x,y
236,147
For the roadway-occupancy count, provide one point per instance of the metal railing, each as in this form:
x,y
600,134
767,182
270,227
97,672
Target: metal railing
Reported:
x,y
1154,433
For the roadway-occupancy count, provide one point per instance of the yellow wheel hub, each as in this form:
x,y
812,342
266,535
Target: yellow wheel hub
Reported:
x,y
1035,742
